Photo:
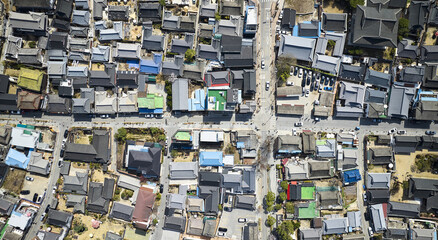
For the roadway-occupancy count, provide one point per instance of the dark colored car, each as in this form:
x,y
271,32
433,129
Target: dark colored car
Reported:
x,y
61,154
35,197
326,82
47,209
24,192
430,132
308,80
66,133
165,151
161,188
228,209
222,229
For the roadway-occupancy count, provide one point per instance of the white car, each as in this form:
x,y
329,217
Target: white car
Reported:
x,y
263,63
290,83
307,92
267,85
294,131
298,124
394,130
242,220
300,73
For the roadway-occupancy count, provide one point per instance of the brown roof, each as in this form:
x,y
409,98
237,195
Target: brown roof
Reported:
x,y
143,207
28,100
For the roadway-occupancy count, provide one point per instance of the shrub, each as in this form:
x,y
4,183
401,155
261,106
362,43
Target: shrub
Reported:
x,y
277,207
290,208
32,44
190,55
284,185
270,221
121,134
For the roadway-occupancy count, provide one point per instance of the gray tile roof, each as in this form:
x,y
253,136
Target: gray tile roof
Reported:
x,y
335,226
152,42
400,101
297,47
116,33
375,27
334,22
427,110
121,211
127,51
352,94
180,95
378,180
183,170
32,22
406,50
378,79
378,217
429,53
326,63
180,46
81,18
76,184
375,96
418,14
412,74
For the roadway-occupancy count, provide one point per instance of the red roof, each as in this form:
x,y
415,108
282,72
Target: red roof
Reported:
x,y
143,207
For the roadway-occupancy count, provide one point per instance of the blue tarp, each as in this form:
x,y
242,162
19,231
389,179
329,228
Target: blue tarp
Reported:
x,y
240,145
197,103
211,159
17,159
133,64
151,66
352,176
147,110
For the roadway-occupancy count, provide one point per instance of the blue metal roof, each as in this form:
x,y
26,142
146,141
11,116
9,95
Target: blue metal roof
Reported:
x,y
17,159
197,103
352,176
211,159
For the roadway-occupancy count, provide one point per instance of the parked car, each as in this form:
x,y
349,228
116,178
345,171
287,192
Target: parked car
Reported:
x,y
42,216
29,179
312,86
322,79
308,80
161,188
294,131
165,151
300,73
61,154
242,220
328,88
429,132
35,197
298,124
332,82
364,197
228,209
289,83
317,119
307,92
401,132
326,81
263,63
221,234
66,133
391,131
267,85
24,192
221,229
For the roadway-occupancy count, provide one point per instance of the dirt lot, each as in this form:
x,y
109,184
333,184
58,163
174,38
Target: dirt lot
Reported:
x,y
404,166
38,185
105,226
428,39
333,7
185,157
299,6
99,176
12,72
82,139
14,181
12,89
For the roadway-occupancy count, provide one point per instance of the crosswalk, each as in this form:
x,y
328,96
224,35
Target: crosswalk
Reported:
x,y
266,1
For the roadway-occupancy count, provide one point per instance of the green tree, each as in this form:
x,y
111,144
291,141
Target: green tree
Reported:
x,y
155,221
290,208
277,207
286,229
284,185
121,134
403,28
162,2
270,199
220,207
353,3
282,197
190,55
173,153
32,44
270,221
217,16
158,197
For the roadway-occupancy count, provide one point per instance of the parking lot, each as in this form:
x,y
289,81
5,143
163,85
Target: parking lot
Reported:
x,y
314,83
38,186
229,220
